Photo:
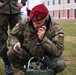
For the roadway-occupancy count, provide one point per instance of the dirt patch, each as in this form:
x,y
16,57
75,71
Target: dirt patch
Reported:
x,y
70,39
68,62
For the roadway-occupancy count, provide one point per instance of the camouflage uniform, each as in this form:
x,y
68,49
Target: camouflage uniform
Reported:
x,y
9,14
51,45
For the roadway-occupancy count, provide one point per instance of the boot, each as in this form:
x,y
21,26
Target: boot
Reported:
x,y
8,68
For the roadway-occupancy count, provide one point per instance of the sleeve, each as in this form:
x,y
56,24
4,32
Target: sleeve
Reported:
x,y
13,36
16,34
23,2
55,46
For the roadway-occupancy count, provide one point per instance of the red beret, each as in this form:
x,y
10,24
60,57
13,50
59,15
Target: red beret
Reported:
x,y
38,12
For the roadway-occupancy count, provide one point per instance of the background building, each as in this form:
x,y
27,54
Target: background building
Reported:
x,y
61,9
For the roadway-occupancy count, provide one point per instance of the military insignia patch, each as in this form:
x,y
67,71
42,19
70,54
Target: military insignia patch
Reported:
x,y
34,19
61,35
39,18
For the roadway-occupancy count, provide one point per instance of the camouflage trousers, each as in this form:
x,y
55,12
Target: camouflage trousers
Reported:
x,y
3,42
5,20
18,61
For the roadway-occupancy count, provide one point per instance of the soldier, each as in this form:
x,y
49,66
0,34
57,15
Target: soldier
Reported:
x,y
26,33
28,12
10,14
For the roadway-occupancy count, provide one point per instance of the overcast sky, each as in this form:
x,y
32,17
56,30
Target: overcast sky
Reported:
x,y
32,3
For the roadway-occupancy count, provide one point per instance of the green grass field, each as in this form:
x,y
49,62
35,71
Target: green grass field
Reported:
x,y
69,27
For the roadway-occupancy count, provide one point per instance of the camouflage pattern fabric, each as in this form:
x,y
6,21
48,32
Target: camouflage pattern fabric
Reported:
x,y
3,38
10,7
13,19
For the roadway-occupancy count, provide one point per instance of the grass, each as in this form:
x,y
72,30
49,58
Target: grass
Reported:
x,y
69,27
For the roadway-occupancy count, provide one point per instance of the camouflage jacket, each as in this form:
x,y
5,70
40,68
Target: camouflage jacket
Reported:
x,y
51,45
9,6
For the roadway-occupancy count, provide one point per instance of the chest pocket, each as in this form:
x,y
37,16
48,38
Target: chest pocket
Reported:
x,y
3,34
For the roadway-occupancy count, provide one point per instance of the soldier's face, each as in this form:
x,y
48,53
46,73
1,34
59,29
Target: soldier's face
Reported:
x,y
38,24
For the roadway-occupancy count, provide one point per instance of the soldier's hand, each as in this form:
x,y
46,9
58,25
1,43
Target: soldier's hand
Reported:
x,y
14,48
1,3
20,5
41,32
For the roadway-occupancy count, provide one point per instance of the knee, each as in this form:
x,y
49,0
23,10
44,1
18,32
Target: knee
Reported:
x,y
8,53
61,65
18,66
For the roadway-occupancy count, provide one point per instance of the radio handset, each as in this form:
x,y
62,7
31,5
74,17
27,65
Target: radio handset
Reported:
x,y
46,23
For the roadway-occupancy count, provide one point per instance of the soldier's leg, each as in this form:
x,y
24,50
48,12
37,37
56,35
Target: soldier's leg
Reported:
x,y
3,41
15,18
59,65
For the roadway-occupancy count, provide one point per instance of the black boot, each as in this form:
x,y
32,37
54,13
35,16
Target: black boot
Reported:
x,y
8,68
